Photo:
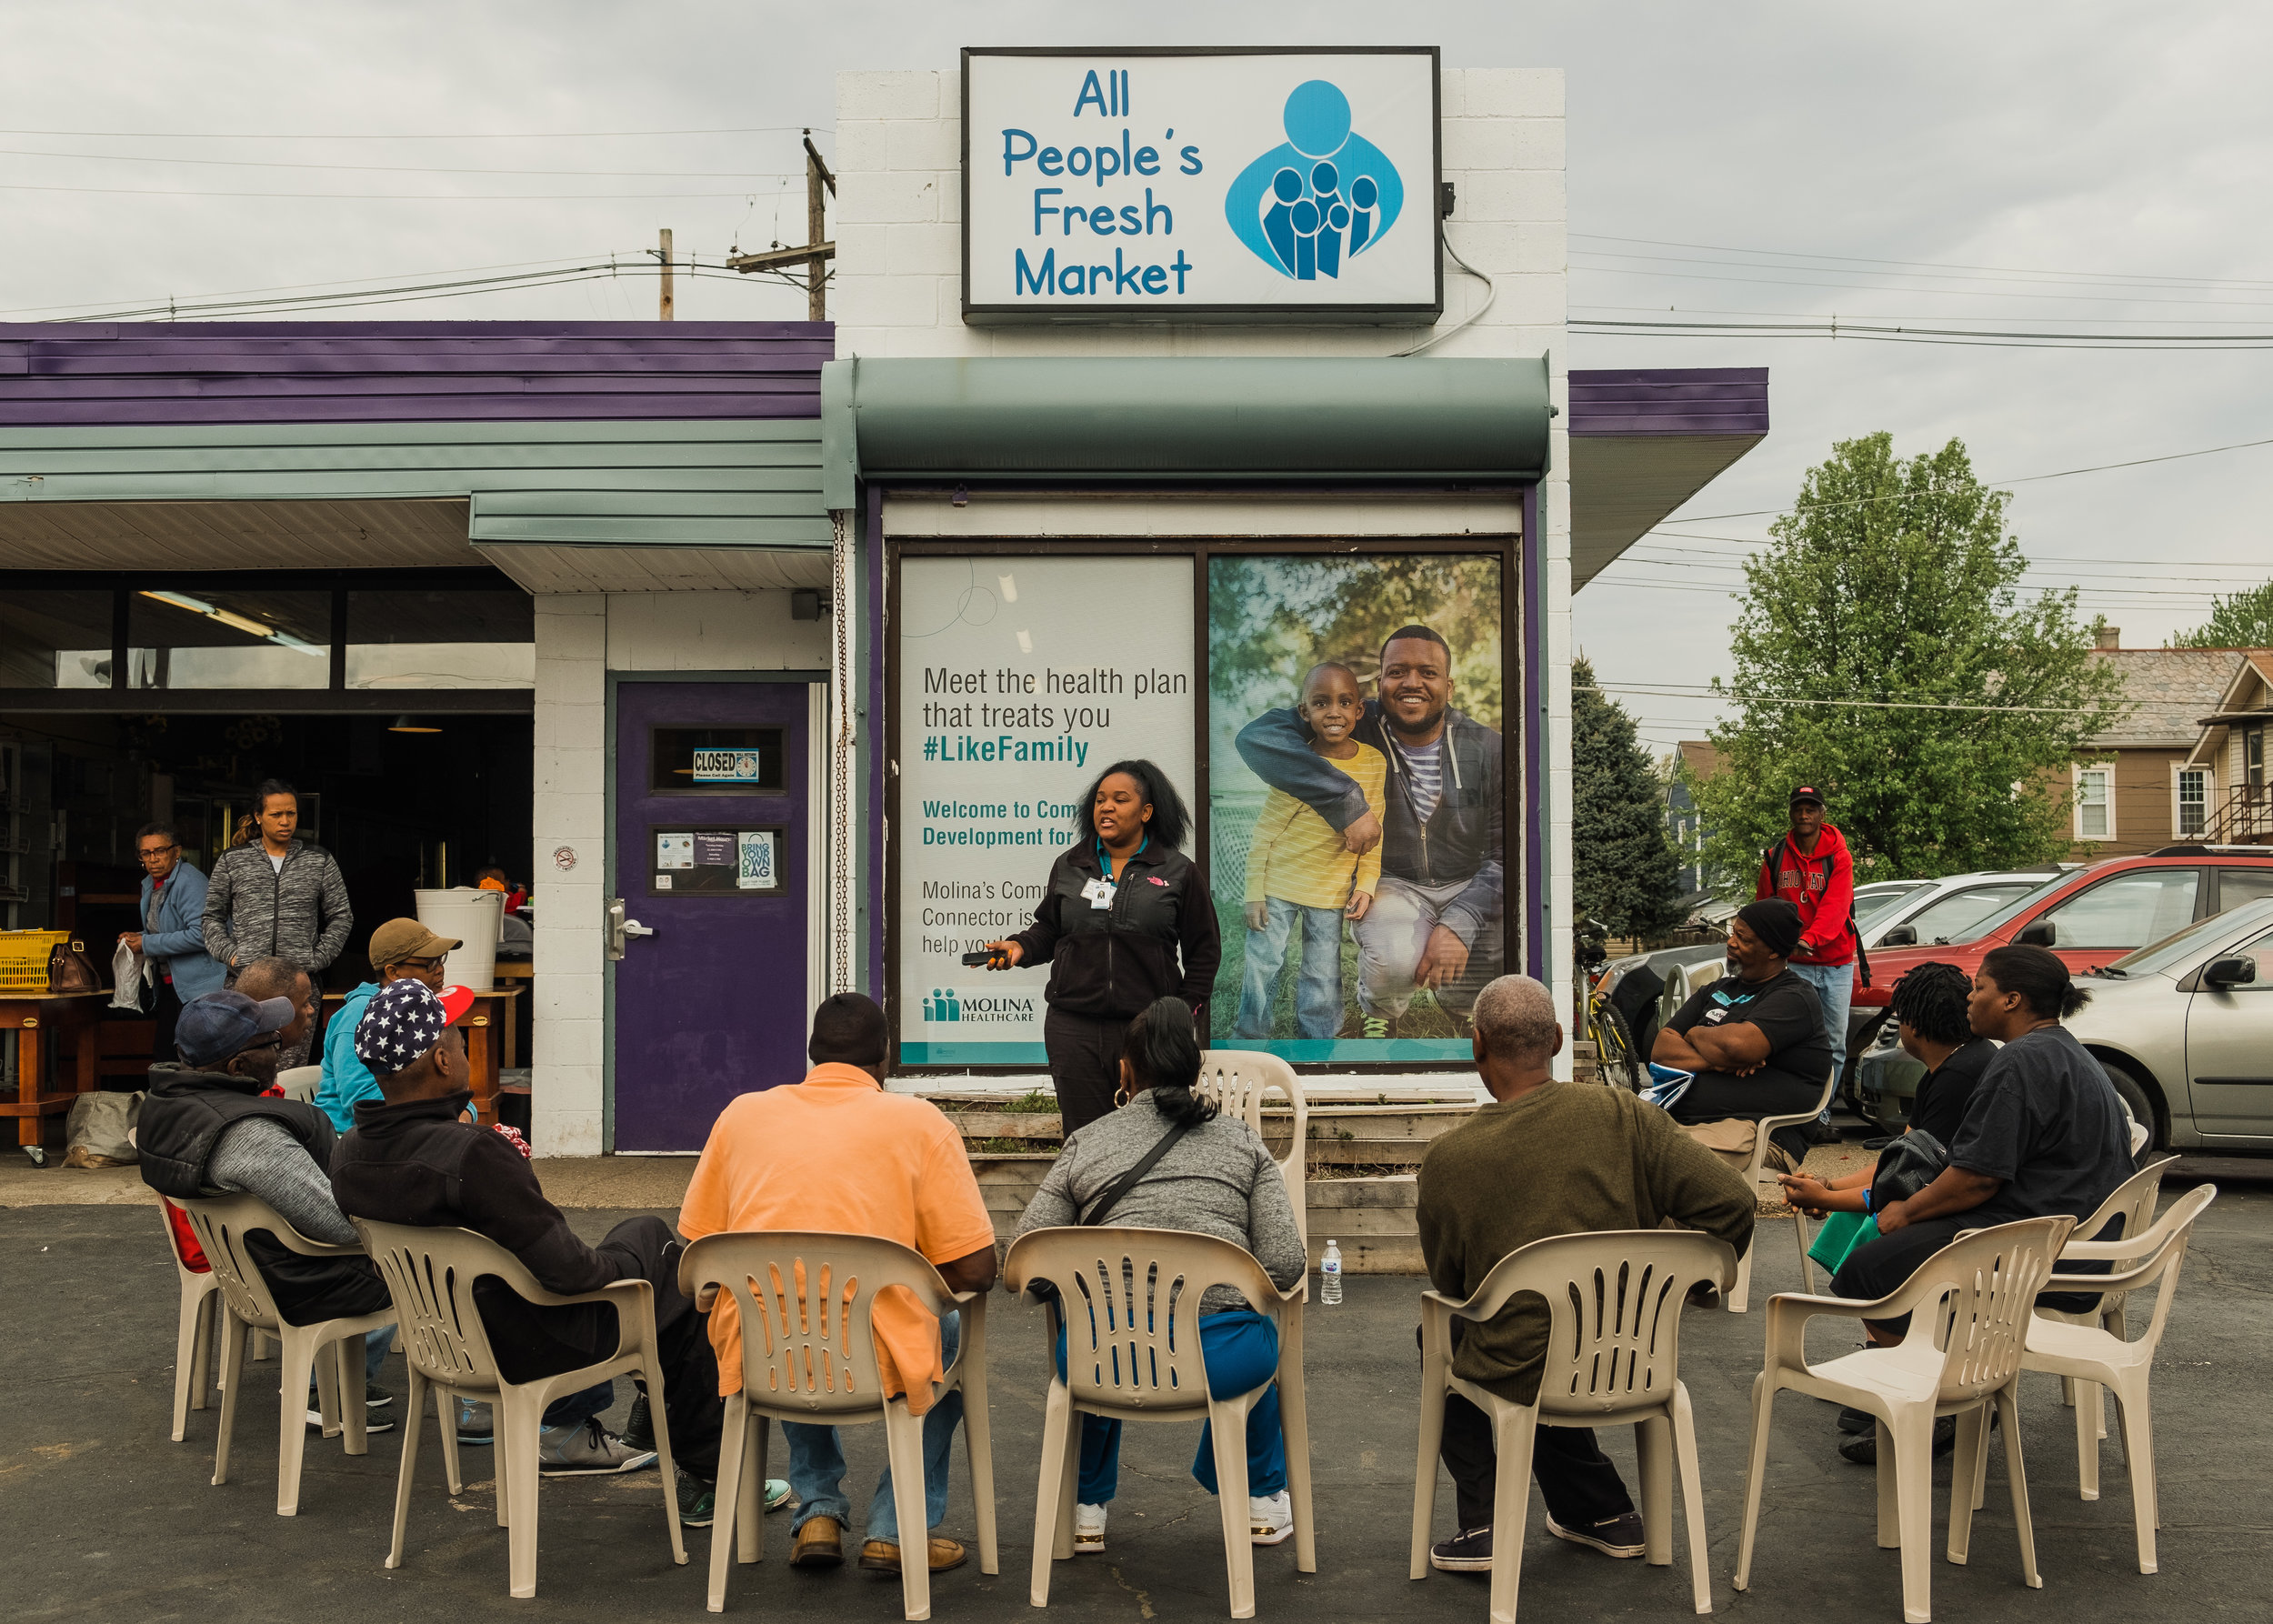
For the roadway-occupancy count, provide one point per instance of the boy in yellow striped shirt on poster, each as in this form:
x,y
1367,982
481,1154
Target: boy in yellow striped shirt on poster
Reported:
x,y
1301,875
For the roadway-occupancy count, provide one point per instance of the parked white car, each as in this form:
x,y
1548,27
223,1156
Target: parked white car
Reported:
x,y
1945,909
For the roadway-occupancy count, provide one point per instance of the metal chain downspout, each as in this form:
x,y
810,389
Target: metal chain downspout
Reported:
x,y
843,791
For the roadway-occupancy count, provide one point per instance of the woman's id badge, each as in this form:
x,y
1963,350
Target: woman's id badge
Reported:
x,y
1100,892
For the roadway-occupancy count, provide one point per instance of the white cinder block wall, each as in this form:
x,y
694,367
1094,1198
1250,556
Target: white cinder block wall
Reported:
x,y
580,639
897,292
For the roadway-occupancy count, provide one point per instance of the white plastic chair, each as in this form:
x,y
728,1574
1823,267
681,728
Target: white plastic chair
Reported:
x,y
300,1082
1969,1307
193,1337
1614,1299
2096,1356
1129,1302
430,1273
1238,1079
1763,1184
2133,1201
806,1302
221,1223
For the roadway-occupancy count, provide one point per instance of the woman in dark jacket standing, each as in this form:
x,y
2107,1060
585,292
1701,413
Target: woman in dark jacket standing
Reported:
x,y
1125,921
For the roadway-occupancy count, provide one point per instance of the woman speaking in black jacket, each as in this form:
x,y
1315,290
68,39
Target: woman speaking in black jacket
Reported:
x,y
1125,921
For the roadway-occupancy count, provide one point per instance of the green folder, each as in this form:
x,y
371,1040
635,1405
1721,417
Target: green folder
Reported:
x,y
1839,1234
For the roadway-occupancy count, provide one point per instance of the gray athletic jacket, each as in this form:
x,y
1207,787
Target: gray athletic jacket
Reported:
x,y
254,911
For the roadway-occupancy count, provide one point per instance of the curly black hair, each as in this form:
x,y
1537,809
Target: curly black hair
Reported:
x,y
1932,998
1170,823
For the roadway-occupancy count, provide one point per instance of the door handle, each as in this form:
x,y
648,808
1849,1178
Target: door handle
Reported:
x,y
621,929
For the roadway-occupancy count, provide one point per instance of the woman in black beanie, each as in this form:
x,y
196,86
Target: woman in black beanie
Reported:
x,y
1754,1039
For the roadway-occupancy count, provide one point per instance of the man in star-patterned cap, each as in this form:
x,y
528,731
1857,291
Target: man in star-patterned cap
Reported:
x,y
412,1159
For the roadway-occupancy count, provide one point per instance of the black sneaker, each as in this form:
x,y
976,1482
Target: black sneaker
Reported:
x,y
1468,1551
375,1397
371,1423
1619,1535
1863,1447
698,1499
638,1429
1821,1133
1855,1421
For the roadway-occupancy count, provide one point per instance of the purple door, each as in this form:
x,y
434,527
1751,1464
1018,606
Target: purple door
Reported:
x,y
712,948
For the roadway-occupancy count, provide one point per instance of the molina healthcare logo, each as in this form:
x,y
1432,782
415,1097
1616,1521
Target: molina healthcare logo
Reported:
x,y
1315,203
978,1009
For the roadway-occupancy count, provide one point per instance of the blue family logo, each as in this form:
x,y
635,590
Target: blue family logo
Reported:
x,y
1313,204
981,1009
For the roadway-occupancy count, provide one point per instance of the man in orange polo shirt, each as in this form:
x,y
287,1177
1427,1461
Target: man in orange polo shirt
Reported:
x,y
837,1153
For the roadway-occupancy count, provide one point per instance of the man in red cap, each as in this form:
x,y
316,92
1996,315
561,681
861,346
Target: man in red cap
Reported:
x,y
1810,867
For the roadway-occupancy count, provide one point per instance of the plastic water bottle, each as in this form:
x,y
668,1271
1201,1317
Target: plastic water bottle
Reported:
x,y
1330,1275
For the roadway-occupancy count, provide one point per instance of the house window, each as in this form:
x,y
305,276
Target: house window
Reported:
x,y
2253,760
2193,801
2095,817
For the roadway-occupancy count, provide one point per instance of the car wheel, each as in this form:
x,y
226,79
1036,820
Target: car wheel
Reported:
x,y
2136,1096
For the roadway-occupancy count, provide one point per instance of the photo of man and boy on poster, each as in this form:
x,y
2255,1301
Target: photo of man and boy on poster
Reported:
x,y
1357,801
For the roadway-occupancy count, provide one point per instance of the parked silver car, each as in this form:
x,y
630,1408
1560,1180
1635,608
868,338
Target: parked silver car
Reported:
x,y
2183,1026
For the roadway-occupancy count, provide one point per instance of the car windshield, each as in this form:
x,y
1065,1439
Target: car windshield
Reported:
x,y
2015,909
1872,901
2180,945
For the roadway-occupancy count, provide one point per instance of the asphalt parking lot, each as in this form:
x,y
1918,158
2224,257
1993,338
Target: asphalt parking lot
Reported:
x,y
105,1517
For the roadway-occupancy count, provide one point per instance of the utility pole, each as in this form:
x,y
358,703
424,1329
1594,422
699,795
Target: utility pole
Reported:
x,y
817,251
665,312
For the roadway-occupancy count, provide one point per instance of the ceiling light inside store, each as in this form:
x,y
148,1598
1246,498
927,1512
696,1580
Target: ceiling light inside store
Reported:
x,y
414,725
182,600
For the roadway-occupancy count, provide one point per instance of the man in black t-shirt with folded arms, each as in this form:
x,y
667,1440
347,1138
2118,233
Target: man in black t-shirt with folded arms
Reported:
x,y
1753,1039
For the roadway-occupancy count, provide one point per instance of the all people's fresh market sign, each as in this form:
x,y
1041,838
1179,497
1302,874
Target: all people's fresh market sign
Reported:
x,y
1189,185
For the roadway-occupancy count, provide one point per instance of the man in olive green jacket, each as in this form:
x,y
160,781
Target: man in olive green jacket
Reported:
x,y
1547,1158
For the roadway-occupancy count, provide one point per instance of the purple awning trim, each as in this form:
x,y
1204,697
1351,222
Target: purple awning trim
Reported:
x,y
1695,400
129,374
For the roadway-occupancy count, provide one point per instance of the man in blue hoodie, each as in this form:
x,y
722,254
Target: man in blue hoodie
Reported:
x,y
401,949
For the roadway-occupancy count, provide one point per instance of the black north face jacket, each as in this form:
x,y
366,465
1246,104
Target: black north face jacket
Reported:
x,y
1158,938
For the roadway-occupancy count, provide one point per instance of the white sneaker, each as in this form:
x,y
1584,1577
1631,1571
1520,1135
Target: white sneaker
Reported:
x,y
1088,1529
1270,1518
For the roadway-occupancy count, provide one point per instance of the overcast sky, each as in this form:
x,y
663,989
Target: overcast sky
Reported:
x,y
2095,167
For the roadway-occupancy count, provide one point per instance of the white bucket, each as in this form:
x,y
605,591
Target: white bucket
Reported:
x,y
471,917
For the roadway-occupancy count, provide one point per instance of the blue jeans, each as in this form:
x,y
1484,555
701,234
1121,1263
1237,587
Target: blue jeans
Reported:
x,y
1318,992
816,1461
1835,988
1240,1350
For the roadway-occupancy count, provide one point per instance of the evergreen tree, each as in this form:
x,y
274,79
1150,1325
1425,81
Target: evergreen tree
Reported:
x,y
2245,621
1624,865
1948,707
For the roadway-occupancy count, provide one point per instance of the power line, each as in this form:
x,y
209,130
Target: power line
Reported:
x,y
1918,264
2136,462
1968,293
1685,693
759,129
112,158
2082,575
511,264
380,196
595,271
2034,558
1869,333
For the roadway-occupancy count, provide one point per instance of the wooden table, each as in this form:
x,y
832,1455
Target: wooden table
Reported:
x,y
488,1028
37,1018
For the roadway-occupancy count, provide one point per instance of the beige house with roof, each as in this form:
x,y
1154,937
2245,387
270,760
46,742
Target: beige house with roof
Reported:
x,y
2142,788
2225,770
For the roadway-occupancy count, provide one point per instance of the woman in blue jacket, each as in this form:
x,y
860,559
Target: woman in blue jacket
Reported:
x,y
172,939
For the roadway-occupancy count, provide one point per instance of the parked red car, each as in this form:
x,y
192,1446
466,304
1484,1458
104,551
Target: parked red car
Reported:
x,y
2089,916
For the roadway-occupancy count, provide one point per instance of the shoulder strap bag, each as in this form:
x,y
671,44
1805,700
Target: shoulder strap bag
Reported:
x,y
1128,1181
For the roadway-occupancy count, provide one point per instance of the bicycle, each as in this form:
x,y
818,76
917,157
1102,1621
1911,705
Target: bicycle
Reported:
x,y
1615,1049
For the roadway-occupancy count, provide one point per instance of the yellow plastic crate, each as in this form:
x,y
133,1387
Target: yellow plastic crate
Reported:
x,y
24,958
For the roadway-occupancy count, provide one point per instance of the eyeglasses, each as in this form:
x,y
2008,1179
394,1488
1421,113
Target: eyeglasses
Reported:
x,y
151,854
422,964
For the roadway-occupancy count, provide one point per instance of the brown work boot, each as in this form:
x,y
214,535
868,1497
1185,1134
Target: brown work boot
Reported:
x,y
820,1543
883,1556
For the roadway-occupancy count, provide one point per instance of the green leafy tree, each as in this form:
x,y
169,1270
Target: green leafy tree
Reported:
x,y
2245,621
1623,865
1895,584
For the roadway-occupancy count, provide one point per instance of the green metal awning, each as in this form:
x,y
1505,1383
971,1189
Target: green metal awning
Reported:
x,y
1203,420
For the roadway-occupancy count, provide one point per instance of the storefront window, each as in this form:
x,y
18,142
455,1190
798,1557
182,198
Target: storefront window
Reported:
x,y
55,639
227,637
409,639
1333,694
